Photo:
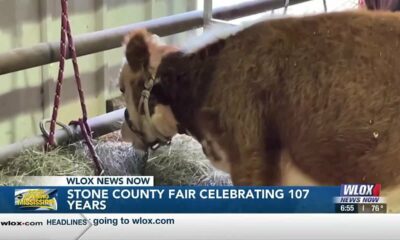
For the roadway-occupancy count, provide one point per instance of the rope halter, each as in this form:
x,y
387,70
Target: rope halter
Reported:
x,y
144,104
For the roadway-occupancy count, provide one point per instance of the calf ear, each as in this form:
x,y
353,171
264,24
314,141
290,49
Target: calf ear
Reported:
x,y
137,50
145,50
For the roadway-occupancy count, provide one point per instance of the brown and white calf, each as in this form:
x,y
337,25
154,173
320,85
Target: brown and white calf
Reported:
x,y
309,100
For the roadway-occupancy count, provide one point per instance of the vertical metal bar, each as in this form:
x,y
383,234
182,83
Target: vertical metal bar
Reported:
x,y
207,12
287,2
325,6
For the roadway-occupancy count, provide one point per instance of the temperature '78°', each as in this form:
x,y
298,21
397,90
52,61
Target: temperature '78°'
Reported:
x,y
376,208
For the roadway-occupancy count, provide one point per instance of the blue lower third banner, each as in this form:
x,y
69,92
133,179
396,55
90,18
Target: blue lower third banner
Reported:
x,y
168,199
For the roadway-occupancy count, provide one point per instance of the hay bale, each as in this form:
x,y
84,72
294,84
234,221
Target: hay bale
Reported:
x,y
117,158
181,163
59,162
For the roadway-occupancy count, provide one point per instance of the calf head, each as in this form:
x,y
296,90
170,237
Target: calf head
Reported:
x,y
147,122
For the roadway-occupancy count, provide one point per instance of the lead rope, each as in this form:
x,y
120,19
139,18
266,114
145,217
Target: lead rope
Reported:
x,y
82,122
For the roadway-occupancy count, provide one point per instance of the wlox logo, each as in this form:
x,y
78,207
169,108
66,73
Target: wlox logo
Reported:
x,y
360,190
20,223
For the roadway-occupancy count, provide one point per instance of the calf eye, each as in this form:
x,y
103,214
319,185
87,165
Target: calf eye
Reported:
x,y
122,90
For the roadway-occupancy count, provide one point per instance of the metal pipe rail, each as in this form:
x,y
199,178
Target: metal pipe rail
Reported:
x,y
100,125
45,53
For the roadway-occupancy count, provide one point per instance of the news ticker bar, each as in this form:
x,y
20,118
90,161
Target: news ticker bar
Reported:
x,y
182,200
136,194
361,208
199,226
196,199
